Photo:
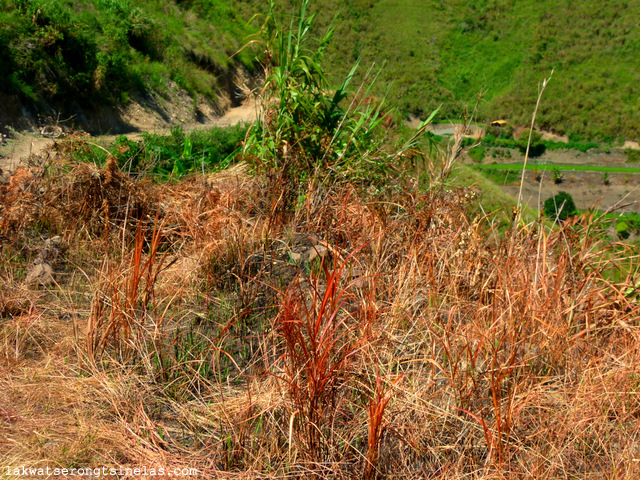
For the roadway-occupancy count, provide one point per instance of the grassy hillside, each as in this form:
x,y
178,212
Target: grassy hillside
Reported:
x,y
506,48
98,51
438,52
434,53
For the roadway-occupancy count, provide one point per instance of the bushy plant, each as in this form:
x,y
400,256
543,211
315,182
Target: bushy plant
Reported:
x,y
560,207
622,229
308,130
537,146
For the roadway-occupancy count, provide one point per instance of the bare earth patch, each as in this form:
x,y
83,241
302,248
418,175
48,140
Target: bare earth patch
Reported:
x,y
142,118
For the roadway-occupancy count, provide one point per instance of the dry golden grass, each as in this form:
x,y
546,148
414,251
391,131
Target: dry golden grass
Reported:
x,y
425,346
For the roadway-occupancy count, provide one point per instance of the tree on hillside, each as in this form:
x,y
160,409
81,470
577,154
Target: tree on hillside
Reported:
x,y
560,207
537,146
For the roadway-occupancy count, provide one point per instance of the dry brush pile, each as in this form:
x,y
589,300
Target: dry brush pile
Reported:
x,y
397,337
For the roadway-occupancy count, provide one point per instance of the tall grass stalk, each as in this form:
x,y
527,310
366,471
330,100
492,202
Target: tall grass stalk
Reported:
x,y
541,88
377,406
454,149
119,319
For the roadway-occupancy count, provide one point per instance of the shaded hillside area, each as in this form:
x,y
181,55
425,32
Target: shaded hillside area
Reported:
x,y
62,57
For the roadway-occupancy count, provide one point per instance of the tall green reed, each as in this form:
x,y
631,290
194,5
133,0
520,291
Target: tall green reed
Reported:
x,y
309,132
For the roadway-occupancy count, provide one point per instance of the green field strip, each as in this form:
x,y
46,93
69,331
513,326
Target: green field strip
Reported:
x,y
564,168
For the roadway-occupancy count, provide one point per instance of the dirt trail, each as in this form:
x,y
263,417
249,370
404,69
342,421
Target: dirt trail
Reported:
x,y
24,144
14,150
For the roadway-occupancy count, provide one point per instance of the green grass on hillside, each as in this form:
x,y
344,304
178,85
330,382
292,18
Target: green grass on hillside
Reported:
x,y
92,51
443,53
432,53
493,199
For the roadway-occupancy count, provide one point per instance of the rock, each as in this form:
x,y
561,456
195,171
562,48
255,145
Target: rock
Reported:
x,y
51,250
51,131
295,257
42,271
40,274
317,251
305,253
304,240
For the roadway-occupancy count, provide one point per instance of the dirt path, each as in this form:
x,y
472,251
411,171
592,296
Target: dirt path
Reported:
x,y
24,144
14,150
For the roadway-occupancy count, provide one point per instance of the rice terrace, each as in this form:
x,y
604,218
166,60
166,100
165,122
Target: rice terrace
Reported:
x,y
377,239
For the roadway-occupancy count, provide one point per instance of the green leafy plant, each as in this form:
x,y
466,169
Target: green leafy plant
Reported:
x,y
308,131
558,176
622,229
560,207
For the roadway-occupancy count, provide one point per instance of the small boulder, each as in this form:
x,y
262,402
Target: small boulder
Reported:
x,y
42,271
40,274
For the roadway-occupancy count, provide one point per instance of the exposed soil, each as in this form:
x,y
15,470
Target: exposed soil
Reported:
x,y
19,146
595,157
587,189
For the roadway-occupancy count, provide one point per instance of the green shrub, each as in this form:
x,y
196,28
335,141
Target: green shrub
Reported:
x,y
622,229
560,207
477,154
537,146
580,146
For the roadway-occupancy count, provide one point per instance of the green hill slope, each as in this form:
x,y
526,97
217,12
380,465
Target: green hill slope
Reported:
x,y
434,53
438,52
98,51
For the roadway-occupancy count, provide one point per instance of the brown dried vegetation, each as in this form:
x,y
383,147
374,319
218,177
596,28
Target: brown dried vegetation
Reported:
x,y
186,329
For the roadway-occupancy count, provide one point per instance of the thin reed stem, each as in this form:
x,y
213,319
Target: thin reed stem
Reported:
x,y
541,88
